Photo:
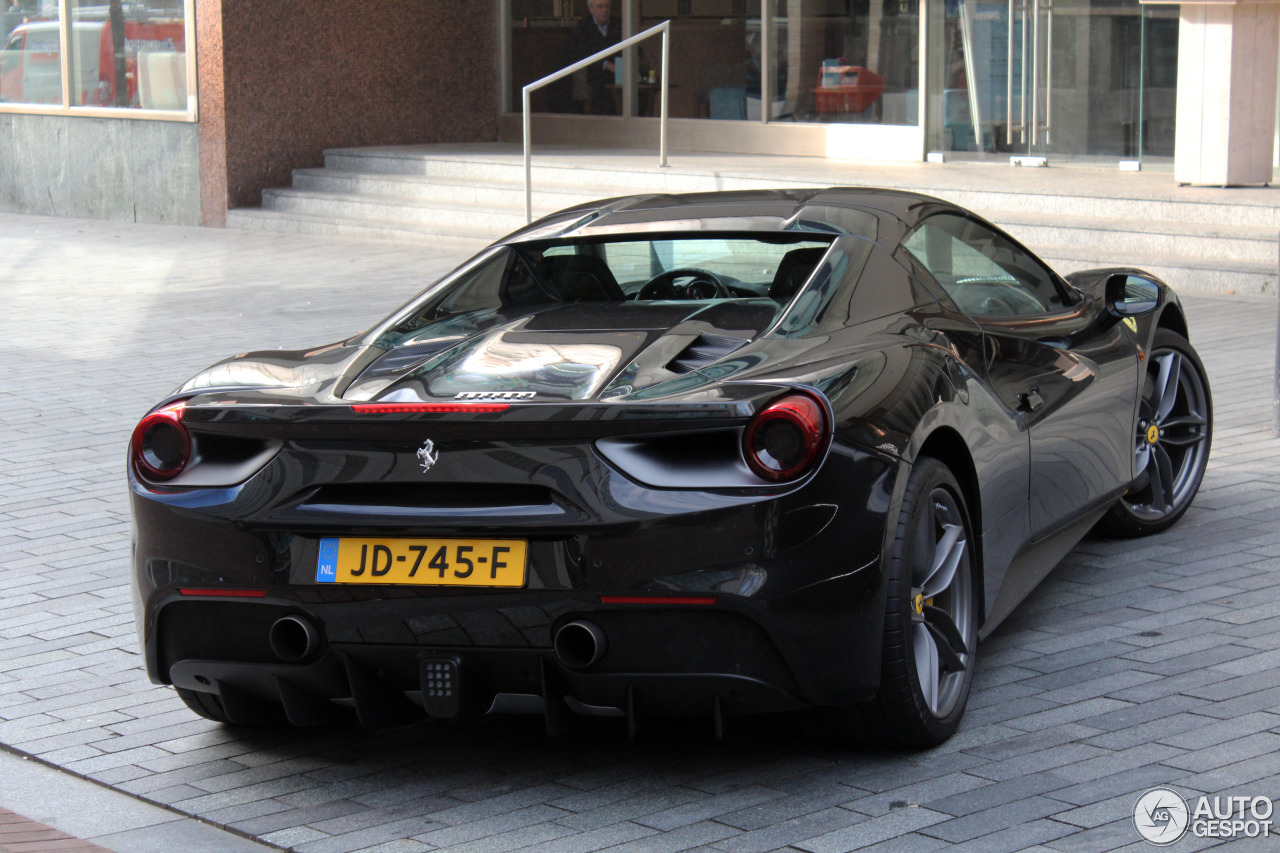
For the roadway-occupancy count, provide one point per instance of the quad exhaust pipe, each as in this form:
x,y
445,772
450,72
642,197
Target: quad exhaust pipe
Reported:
x,y
294,638
579,644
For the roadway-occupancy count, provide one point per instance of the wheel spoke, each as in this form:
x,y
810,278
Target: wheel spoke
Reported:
x,y
946,557
948,660
926,653
1167,384
1183,431
1161,480
942,625
1142,457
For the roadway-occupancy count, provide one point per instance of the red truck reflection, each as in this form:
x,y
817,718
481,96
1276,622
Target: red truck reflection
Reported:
x,y
30,72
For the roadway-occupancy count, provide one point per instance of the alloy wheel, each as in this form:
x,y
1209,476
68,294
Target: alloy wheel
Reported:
x,y
1172,439
941,603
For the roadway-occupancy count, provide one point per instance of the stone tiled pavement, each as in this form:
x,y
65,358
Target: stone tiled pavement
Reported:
x,y
1134,665
23,835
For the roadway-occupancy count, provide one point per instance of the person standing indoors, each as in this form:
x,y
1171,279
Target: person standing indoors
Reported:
x,y
598,30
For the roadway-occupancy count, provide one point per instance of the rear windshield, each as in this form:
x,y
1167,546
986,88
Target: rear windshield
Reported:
x,y
674,268
626,271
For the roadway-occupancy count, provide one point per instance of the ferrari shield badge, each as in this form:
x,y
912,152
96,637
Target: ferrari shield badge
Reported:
x,y
428,455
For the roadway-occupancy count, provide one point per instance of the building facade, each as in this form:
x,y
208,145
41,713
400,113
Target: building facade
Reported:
x,y
191,133
177,110
1074,80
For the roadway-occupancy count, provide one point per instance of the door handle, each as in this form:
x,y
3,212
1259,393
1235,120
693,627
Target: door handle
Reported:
x,y
1030,401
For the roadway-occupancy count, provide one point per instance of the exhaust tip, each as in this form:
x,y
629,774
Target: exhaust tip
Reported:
x,y
579,644
293,639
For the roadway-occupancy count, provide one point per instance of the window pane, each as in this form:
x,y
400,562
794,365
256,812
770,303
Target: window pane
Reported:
x,y
129,55
747,266
547,35
847,61
715,58
983,273
30,61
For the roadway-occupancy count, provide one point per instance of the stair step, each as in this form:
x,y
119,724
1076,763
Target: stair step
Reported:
x,y
482,220
421,188
1186,228
1248,244
624,180
462,240
1112,210
1181,272
558,171
468,196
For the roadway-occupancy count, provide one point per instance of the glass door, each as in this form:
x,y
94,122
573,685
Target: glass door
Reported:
x,y
1062,81
834,78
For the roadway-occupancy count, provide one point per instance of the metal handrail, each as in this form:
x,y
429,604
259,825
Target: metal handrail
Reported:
x,y
665,29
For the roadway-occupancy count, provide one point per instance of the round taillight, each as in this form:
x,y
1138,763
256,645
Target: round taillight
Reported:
x,y
785,438
161,444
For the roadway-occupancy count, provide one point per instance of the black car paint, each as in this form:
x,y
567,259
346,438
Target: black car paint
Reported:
x,y
904,373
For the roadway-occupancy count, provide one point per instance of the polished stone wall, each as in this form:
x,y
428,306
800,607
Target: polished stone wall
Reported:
x,y
279,82
138,171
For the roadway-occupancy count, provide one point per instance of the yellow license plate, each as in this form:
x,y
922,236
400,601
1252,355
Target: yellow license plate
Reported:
x,y
428,562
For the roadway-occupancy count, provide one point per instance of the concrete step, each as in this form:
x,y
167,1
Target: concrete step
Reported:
x,y
1181,272
498,194
993,202
559,173
1178,236
624,179
437,217
468,196
1195,240
258,219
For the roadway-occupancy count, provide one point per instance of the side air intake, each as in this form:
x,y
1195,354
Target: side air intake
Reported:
x,y
704,350
406,357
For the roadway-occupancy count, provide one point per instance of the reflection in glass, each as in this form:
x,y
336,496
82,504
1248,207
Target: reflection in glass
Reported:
x,y
547,35
129,55
716,56
1070,78
847,61
502,362
30,59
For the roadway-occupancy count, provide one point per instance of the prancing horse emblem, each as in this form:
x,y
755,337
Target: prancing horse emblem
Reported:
x,y
428,455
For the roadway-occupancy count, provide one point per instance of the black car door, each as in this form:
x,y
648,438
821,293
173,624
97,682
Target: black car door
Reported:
x,y
1057,361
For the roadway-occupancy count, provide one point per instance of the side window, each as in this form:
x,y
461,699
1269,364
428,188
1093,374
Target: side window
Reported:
x,y
11,55
983,272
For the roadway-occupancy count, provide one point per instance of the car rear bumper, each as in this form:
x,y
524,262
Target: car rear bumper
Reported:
x,y
728,605
381,686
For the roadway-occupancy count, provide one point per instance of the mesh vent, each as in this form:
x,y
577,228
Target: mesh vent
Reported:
x,y
704,350
406,357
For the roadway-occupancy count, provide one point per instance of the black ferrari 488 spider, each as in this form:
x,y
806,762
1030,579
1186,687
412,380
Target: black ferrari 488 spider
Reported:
x,y
705,454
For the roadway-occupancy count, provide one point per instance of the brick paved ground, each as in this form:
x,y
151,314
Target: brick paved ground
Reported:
x,y
1134,665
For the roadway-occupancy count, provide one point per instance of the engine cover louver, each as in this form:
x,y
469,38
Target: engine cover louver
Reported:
x,y
704,350
406,357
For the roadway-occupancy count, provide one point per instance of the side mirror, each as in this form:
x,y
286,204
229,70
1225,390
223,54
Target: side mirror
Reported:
x,y
1131,296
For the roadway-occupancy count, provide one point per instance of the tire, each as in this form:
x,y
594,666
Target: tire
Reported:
x,y
931,622
1176,410
207,705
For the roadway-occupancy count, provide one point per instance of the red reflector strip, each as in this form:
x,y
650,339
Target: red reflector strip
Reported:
x,y
225,593
654,599
412,408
